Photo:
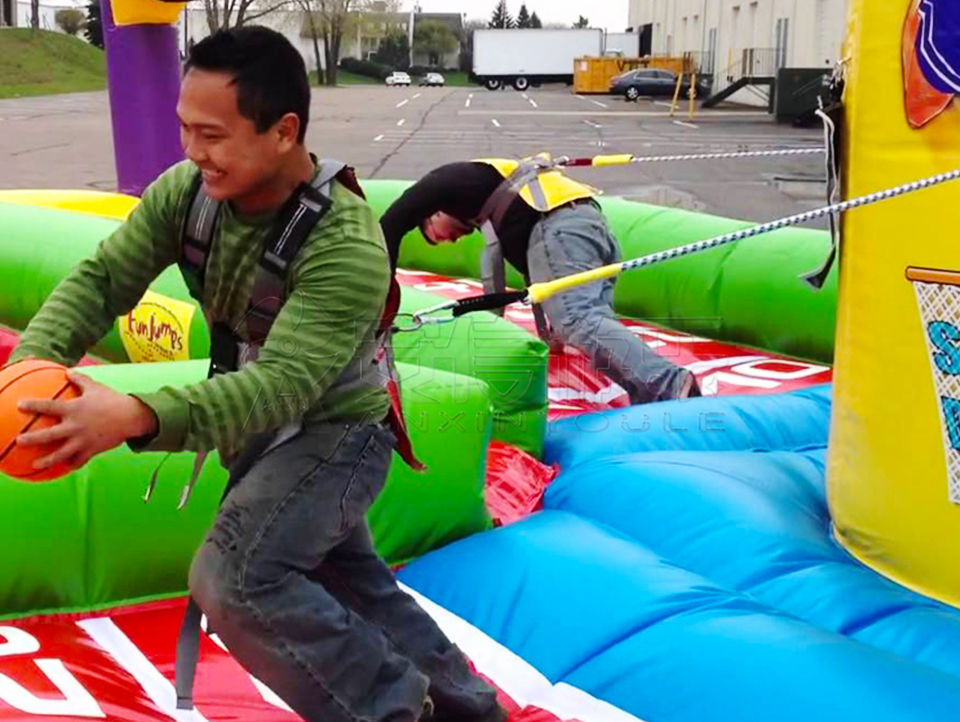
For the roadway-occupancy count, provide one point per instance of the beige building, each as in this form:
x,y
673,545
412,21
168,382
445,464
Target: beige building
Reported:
x,y
735,38
361,40
18,13
370,28
192,27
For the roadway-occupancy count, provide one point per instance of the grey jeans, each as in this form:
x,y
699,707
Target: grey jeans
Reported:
x,y
289,579
576,238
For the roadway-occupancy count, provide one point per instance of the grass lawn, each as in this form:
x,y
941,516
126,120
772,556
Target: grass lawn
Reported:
x,y
458,79
345,78
454,79
45,62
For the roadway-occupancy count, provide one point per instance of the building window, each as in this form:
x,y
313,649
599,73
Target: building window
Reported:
x,y
646,39
710,62
780,42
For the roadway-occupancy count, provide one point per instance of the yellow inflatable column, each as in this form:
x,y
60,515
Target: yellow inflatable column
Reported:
x,y
894,468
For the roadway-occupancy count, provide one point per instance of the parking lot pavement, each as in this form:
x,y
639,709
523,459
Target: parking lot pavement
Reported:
x,y
65,142
57,141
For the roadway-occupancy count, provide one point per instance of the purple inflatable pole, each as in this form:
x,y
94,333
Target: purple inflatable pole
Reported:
x,y
143,75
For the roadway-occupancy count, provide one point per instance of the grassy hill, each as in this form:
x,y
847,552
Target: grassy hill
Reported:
x,y
44,62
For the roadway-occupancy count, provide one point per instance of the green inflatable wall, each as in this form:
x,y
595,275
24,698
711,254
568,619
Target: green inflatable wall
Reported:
x,y
39,246
88,540
509,360
713,293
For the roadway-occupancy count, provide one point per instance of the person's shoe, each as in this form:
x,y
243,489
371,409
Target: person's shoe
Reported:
x,y
426,714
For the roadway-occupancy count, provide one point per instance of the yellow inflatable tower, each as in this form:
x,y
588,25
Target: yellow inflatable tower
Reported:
x,y
894,469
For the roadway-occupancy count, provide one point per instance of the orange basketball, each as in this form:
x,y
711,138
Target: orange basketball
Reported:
x,y
30,380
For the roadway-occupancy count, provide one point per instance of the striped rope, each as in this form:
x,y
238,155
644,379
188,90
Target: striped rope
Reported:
x,y
539,292
625,159
789,221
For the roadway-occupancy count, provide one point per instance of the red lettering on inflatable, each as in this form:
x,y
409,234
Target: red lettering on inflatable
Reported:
x,y
71,700
154,331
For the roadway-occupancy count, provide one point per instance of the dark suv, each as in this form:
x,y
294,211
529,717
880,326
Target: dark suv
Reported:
x,y
653,81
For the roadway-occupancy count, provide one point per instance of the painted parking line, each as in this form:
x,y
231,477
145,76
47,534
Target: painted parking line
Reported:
x,y
495,122
401,122
403,103
378,138
607,113
595,102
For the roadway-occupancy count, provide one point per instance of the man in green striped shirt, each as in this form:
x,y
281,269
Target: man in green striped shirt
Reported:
x,y
288,575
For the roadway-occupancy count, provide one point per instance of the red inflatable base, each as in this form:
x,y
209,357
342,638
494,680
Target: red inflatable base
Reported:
x,y
119,666
576,388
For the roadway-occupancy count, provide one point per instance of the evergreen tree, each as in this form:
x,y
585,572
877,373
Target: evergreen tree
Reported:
x,y
535,20
394,50
93,30
501,18
523,17
582,22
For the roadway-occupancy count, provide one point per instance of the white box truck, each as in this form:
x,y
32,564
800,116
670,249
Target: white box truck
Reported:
x,y
525,57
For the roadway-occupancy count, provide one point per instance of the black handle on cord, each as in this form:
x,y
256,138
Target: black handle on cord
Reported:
x,y
487,302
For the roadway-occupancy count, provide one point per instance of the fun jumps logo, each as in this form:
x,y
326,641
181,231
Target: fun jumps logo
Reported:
x,y
931,59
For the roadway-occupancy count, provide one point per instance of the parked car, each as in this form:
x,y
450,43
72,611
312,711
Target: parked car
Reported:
x,y
398,78
432,79
654,82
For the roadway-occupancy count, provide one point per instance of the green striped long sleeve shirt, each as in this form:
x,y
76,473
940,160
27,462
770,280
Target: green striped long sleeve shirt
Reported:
x,y
336,291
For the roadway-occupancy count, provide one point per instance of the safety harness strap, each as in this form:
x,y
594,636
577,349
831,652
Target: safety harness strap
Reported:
x,y
492,264
228,351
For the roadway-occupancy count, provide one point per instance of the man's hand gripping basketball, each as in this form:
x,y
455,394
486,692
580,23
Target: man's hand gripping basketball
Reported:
x,y
97,421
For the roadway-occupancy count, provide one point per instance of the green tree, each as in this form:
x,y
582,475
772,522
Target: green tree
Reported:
x,y
501,18
523,17
311,29
327,22
435,39
70,20
394,50
582,22
535,20
226,14
93,28
466,43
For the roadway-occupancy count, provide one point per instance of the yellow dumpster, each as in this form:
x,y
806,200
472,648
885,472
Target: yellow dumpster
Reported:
x,y
593,75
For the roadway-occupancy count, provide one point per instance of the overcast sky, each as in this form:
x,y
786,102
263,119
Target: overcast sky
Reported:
x,y
609,14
